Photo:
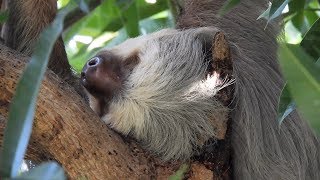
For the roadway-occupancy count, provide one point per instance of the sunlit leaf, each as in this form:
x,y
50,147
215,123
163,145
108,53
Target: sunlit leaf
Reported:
x,y
47,170
22,107
180,173
286,104
228,5
303,79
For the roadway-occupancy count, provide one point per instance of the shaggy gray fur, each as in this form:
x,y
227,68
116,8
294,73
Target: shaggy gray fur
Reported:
x,y
262,149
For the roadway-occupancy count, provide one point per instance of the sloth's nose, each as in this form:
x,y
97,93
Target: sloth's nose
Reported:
x,y
94,62
101,75
90,67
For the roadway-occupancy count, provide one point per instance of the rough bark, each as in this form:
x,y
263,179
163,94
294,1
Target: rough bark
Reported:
x,y
66,130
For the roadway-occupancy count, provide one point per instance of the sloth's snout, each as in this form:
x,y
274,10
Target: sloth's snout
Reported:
x,y
101,76
89,71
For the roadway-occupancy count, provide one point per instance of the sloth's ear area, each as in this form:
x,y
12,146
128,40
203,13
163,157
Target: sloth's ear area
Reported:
x,y
217,51
206,35
221,55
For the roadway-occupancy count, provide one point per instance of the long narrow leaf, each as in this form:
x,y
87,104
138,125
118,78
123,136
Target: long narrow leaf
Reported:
x,y
303,78
22,108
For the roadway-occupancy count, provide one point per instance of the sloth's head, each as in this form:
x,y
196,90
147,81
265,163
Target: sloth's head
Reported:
x,y
159,89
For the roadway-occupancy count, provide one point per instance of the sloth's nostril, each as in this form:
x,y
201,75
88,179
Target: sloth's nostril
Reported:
x,y
93,62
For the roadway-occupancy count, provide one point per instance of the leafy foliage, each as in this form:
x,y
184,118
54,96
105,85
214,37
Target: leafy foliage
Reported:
x,y
303,81
298,62
111,23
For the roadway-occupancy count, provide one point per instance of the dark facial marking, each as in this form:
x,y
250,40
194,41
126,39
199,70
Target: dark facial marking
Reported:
x,y
102,76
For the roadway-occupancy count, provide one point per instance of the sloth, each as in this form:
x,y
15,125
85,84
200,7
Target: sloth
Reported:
x,y
159,89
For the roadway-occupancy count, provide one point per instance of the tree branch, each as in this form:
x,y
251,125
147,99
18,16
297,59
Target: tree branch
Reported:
x,y
67,130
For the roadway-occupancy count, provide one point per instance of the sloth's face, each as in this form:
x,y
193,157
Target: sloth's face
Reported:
x,y
163,70
157,89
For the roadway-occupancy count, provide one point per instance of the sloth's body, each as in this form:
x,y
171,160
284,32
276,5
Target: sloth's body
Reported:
x,y
156,88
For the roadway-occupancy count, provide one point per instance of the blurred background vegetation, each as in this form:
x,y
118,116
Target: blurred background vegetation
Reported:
x,y
112,22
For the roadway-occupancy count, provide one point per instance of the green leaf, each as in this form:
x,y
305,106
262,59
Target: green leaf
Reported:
x,y
274,10
228,6
277,7
180,173
47,170
22,108
4,16
303,80
94,23
311,41
286,104
129,16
